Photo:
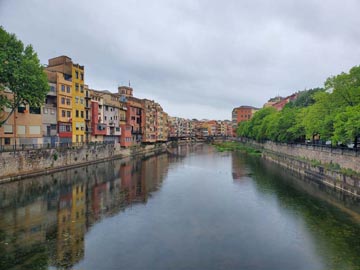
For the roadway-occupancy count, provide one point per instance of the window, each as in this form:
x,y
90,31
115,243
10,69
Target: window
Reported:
x,y
77,74
20,130
64,128
68,114
81,101
34,130
22,109
45,110
68,89
68,101
52,111
8,129
76,100
7,140
82,114
62,88
106,108
62,100
52,88
35,110
77,87
76,113
105,118
63,113
81,88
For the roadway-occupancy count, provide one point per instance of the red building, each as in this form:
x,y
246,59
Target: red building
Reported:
x,y
281,104
126,136
240,114
97,128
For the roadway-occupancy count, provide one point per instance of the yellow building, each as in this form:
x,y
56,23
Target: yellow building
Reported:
x,y
71,227
75,74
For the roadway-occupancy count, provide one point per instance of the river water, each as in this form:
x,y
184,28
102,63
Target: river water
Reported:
x,y
196,209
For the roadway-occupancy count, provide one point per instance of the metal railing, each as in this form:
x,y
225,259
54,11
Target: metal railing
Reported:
x,y
70,145
316,145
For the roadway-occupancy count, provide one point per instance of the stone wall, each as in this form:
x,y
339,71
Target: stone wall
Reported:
x,y
346,158
299,158
21,164
348,184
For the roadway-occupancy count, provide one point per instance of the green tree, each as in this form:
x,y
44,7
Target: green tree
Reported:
x,y
345,88
347,126
318,118
306,98
290,127
21,74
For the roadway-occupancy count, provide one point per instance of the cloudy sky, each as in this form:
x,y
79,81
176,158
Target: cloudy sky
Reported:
x,y
198,59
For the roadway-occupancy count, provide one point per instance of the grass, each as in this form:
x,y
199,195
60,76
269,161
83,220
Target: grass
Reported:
x,y
333,167
234,146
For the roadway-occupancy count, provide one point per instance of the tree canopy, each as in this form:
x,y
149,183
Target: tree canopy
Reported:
x,y
331,114
21,74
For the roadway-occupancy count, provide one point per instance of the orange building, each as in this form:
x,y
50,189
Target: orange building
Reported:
x,y
24,126
240,114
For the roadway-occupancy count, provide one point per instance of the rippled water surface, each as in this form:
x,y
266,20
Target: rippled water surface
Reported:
x,y
199,209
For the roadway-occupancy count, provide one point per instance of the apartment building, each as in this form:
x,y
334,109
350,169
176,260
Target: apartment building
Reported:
x,y
240,114
24,126
49,117
98,127
73,73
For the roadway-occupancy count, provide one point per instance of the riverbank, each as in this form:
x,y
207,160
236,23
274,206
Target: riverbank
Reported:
x,y
30,163
343,179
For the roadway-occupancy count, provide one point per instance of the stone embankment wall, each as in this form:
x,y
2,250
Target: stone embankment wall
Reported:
x,y
300,158
346,158
318,173
28,163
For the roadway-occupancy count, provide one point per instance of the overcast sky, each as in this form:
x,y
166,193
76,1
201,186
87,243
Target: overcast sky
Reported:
x,y
198,59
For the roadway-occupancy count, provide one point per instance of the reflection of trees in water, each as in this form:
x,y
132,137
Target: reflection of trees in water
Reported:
x,y
336,233
66,204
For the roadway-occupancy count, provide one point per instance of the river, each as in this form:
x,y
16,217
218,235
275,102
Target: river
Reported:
x,y
196,209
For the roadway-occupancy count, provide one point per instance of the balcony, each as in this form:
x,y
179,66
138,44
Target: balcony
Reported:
x,y
136,130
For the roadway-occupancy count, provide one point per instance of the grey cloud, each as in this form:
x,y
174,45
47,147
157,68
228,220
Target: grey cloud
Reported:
x,y
200,58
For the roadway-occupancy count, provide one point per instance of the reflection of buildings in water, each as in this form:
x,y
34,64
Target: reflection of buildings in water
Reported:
x,y
239,169
71,226
24,232
132,183
59,208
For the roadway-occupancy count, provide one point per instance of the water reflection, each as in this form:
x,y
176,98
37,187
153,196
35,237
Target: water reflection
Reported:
x,y
331,217
43,221
216,211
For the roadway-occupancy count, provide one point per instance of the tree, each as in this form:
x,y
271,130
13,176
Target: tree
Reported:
x,y
319,118
347,126
306,98
345,88
21,75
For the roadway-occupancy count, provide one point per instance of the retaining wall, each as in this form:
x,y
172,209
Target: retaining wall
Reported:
x,y
28,163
